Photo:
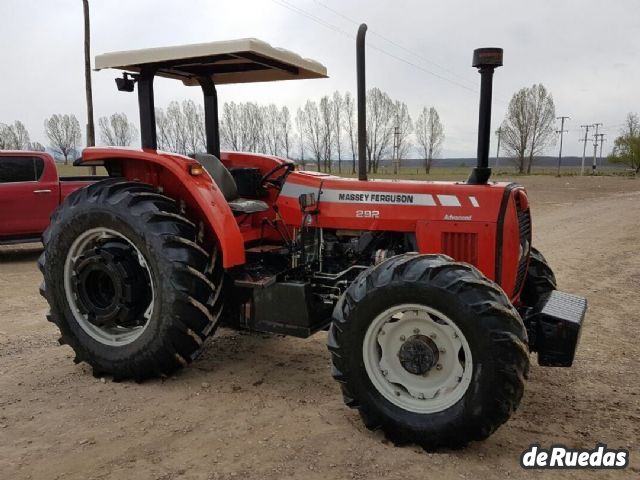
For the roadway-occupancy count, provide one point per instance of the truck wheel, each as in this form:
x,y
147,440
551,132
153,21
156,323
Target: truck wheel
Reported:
x,y
539,280
127,285
429,351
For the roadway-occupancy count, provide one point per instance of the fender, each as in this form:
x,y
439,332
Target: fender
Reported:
x,y
171,172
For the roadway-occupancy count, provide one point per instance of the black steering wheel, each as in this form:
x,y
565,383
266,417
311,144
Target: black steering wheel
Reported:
x,y
276,182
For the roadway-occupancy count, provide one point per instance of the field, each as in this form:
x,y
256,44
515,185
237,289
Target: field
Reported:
x,y
265,407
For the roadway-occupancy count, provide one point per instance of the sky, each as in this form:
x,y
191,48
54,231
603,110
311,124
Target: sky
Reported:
x,y
587,53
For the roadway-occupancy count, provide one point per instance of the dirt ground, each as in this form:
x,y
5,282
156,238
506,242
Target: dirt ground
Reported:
x,y
267,408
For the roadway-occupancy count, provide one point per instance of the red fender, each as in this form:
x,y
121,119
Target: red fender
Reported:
x,y
170,172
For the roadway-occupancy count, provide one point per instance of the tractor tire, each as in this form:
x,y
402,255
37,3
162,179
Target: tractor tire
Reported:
x,y
131,291
448,366
539,280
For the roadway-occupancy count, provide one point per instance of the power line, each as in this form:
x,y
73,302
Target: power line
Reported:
x,y
499,132
595,148
395,44
584,149
310,16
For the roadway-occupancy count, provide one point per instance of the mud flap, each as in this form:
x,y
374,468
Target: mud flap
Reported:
x,y
554,326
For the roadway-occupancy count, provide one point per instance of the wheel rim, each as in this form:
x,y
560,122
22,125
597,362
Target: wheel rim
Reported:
x,y
108,286
417,358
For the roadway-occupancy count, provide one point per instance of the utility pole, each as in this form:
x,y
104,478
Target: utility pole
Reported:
x,y
595,148
396,150
584,149
601,135
499,132
561,132
91,132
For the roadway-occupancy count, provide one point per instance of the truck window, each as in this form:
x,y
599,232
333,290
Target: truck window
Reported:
x,y
20,169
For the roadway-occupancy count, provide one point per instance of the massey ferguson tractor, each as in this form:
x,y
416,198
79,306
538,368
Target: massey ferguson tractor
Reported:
x,y
431,292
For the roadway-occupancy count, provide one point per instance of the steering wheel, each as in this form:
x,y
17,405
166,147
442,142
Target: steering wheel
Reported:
x,y
266,178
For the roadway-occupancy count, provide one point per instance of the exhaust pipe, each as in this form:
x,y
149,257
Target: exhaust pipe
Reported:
x,y
362,104
486,60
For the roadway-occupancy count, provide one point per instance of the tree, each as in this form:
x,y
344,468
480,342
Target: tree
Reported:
x,y
285,131
350,127
326,122
380,116
404,124
626,149
528,127
180,129
337,104
311,132
116,130
430,135
14,137
63,132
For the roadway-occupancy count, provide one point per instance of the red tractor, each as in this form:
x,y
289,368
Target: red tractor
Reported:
x,y
431,292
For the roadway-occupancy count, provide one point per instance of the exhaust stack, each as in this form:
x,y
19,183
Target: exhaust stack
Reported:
x,y
362,104
486,60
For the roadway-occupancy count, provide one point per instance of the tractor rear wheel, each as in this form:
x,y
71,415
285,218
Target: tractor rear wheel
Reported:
x,y
540,279
429,351
129,288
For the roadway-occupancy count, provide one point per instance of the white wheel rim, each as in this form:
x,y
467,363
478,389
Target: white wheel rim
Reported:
x,y
114,336
441,386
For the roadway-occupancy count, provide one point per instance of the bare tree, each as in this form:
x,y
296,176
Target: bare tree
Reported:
x,y
380,116
430,135
14,137
299,136
312,132
405,128
350,127
63,132
285,131
326,117
528,126
542,117
116,130
231,126
271,128
337,104
36,147
180,129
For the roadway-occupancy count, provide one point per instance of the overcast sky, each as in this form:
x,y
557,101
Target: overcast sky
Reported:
x,y
587,53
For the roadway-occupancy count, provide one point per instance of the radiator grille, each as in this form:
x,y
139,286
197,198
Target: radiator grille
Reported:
x,y
524,225
462,246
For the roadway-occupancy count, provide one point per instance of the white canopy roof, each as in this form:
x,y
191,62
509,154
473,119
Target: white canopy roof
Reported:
x,y
233,61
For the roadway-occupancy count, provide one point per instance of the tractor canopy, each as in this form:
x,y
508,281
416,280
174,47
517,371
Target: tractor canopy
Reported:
x,y
206,64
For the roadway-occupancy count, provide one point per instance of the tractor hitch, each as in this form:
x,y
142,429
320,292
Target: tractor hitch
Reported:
x,y
554,326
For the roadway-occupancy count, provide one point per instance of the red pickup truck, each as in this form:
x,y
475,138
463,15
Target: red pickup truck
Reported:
x,y
29,192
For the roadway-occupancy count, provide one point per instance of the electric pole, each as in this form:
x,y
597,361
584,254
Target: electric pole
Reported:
x,y
91,132
499,132
601,135
561,132
396,150
584,149
595,148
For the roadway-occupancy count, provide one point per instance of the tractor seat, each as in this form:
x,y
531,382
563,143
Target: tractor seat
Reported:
x,y
227,185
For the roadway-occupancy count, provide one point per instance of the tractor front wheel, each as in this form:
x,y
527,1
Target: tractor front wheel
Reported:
x,y
129,288
429,351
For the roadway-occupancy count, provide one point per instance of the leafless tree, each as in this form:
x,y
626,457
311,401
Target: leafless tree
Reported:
x,y
63,132
405,128
380,110
285,131
326,121
117,130
312,131
528,125
231,126
430,135
14,137
351,127
543,117
300,120
271,128
180,128
337,107
36,147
